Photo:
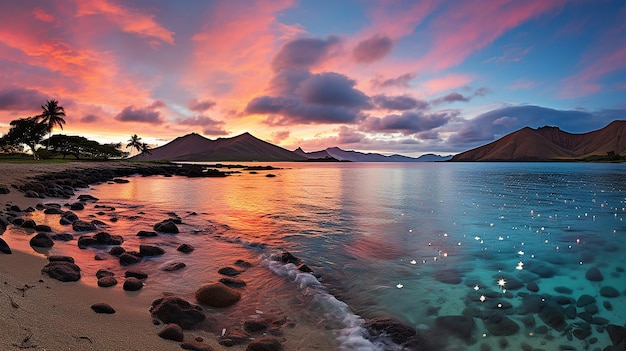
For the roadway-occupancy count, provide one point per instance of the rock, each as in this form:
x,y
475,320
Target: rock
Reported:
x,y
150,250
265,344
136,274
449,276
85,241
132,284
77,206
59,258
172,331
217,295
585,300
609,291
166,226
174,266
616,333
500,325
106,282
83,226
243,264
127,259
104,238
62,237
287,257
460,326
233,282
234,337
542,269
305,269
117,251
146,234
195,346
53,210
4,247
593,274
31,193
255,326
229,271
173,309
563,290
397,331
103,308
43,228
86,197
185,248
99,257
29,224
68,218
532,286
4,189
63,271
553,315
581,334
41,240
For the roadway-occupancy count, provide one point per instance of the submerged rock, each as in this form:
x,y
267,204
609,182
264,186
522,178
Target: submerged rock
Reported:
x,y
217,295
609,291
185,248
150,250
83,226
166,226
194,345
265,344
593,274
229,271
500,325
460,326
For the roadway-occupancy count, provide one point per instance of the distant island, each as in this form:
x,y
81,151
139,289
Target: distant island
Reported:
x,y
552,144
246,147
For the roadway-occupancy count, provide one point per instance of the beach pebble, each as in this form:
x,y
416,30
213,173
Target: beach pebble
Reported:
x,y
585,300
229,271
63,271
136,274
68,217
582,334
150,250
41,240
255,326
4,189
265,344
77,206
87,197
166,226
609,291
103,308
146,234
83,226
43,228
62,237
174,266
4,247
593,274
563,290
185,248
132,284
172,331
234,337
117,251
233,282
28,224
243,264
217,295
128,258
59,258
196,346
172,309
106,282
53,210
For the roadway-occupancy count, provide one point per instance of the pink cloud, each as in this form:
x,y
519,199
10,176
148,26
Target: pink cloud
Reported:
x,y
447,82
128,19
43,15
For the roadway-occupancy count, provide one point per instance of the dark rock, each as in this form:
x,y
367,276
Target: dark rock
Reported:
x,y
599,321
173,309
233,282
63,271
18,221
460,326
120,180
586,316
397,331
542,329
117,251
28,224
146,234
287,257
132,284
31,193
563,290
105,238
542,269
581,334
59,258
86,197
449,276
174,266
592,308
53,210
570,312
103,308
585,300
68,218
4,247
172,332
77,206
607,305
255,326
217,295
609,291
166,226
100,257
617,333
265,344
150,250
553,315
85,241
234,337
127,259
106,282
499,324
229,271
593,274
135,274
194,345
43,228
243,264
185,248
41,240
62,237
4,189
104,273
305,269
83,226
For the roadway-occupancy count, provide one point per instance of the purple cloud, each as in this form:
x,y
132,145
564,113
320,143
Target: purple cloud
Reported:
x,y
90,119
399,103
211,126
332,89
408,122
143,115
304,53
19,99
372,49
202,105
401,81
450,98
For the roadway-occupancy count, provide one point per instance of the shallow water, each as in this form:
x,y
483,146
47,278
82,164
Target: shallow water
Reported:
x,y
411,241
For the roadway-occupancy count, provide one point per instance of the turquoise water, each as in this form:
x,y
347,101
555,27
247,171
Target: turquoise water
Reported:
x,y
410,241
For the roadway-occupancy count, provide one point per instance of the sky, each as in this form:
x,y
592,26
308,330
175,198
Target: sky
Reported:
x,y
387,76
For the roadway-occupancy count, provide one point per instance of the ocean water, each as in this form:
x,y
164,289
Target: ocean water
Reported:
x,y
415,242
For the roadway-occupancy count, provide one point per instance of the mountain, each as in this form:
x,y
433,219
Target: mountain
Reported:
x,y
551,144
356,156
244,147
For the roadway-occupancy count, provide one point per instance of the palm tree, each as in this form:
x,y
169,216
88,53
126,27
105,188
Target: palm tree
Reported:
x,y
52,116
135,143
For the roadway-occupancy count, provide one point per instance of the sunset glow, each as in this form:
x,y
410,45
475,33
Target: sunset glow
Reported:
x,y
408,77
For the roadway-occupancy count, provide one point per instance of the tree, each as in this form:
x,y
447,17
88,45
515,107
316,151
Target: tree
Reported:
x,y
52,116
26,131
79,146
135,143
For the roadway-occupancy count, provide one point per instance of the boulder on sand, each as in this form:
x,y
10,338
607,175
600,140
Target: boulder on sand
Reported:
x,y
62,270
41,240
217,295
172,309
